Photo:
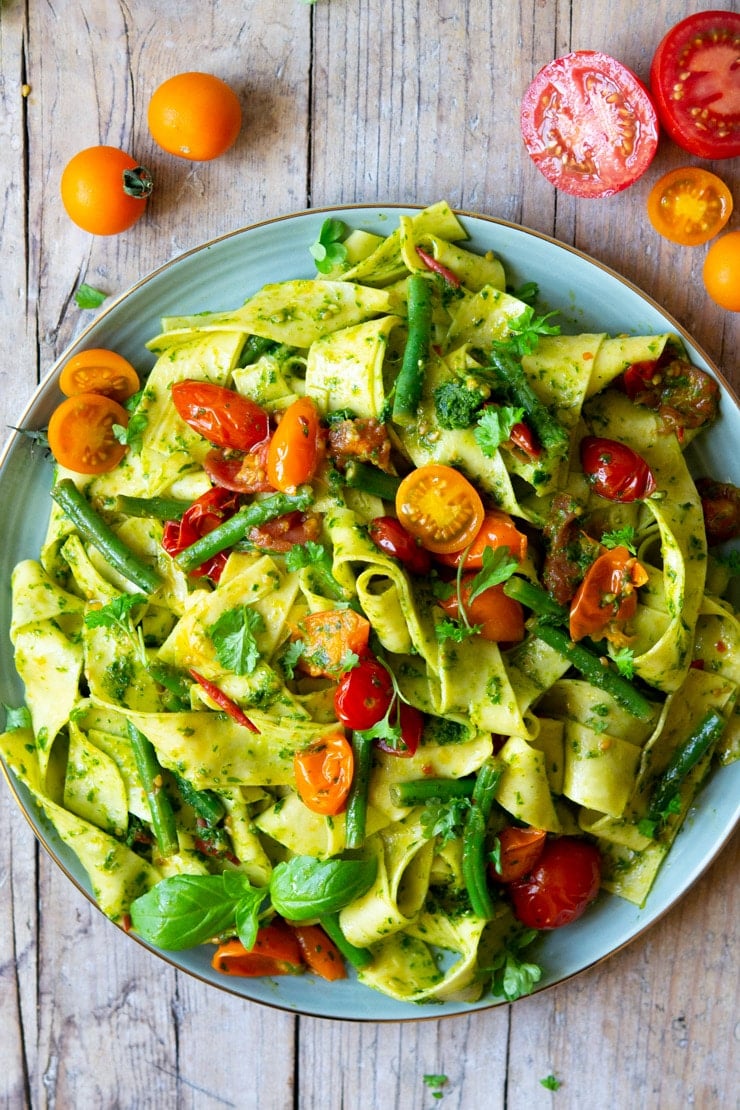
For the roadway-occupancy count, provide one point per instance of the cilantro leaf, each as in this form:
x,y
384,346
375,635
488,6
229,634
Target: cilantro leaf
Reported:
x,y
436,1083
289,659
233,636
328,251
528,292
116,613
317,558
494,427
89,297
385,730
133,433
453,630
498,566
445,819
621,537
525,331
17,718
550,1083
624,660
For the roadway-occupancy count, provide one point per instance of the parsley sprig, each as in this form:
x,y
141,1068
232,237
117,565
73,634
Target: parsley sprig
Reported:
x,y
498,566
118,613
234,638
494,427
524,332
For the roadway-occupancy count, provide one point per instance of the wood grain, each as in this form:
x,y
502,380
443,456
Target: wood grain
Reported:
x,y
344,101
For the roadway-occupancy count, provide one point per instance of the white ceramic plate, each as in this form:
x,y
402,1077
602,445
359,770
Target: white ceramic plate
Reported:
x,y
221,275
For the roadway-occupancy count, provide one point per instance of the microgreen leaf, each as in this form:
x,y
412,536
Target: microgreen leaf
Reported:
x,y
328,250
89,297
494,427
233,636
550,1083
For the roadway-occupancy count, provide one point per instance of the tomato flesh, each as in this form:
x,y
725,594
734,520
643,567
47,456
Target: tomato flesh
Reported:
x,y
364,695
615,471
98,370
81,436
563,883
689,206
440,507
222,416
606,598
589,124
276,951
695,80
323,774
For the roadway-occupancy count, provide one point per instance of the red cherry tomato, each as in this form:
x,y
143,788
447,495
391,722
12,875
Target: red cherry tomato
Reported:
x,y
563,883
284,532
411,722
205,514
524,439
222,416
694,80
391,537
519,850
615,471
364,695
589,124
294,449
720,503
244,472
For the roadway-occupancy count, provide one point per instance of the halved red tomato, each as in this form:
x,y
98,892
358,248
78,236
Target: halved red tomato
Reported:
x,y
589,124
695,80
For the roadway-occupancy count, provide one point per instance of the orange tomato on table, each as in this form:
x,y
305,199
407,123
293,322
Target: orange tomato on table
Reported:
x,y
195,116
104,190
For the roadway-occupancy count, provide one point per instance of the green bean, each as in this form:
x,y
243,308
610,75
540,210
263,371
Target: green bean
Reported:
x,y
157,508
415,792
535,598
173,680
474,866
94,529
358,957
596,670
684,759
255,347
206,803
513,382
356,812
415,357
235,528
370,479
150,774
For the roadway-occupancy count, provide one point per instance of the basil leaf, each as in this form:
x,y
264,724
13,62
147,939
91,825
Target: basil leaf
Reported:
x,y
184,910
305,887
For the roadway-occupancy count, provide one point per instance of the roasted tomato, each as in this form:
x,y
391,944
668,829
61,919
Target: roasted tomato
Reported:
x,y
693,78
363,439
295,446
243,472
391,537
363,695
205,514
519,850
323,773
328,638
563,883
683,395
606,598
501,618
222,416
439,506
689,206
615,471
411,723
589,124
720,502
497,530
284,532
276,951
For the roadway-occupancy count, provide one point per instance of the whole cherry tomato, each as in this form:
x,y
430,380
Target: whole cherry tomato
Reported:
x,y
222,416
721,271
410,720
615,471
364,695
391,537
294,450
563,883
104,191
323,773
195,116
720,503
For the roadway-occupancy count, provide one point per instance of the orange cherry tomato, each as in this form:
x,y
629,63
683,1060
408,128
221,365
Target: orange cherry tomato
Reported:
x,y
519,851
276,951
99,371
328,637
722,271
501,617
440,507
320,953
294,449
607,595
104,190
195,116
323,773
497,530
689,205
81,435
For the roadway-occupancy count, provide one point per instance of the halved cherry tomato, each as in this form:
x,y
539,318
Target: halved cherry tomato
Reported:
x,y
683,395
501,617
243,472
276,951
320,953
497,530
364,695
222,416
81,436
563,883
294,450
391,537
440,507
284,532
99,371
206,513
694,81
589,124
323,773
410,720
721,271
328,637
689,206
519,851
524,439
607,597
615,471
720,502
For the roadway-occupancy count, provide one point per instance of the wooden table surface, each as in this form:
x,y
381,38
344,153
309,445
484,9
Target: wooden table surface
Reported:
x,y
344,101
